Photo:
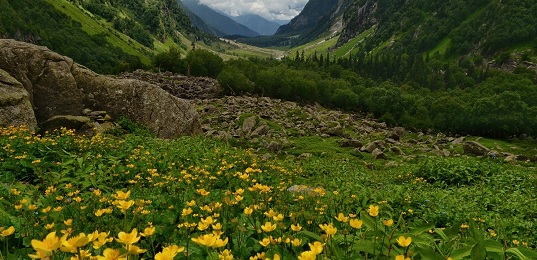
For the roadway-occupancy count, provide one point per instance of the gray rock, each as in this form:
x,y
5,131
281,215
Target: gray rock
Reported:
x,y
249,124
459,140
58,86
378,154
79,123
274,146
15,106
397,133
475,148
305,156
261,130
350,143
397,150
370,147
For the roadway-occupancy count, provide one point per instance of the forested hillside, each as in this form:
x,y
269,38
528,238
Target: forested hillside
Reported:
x,y
456,27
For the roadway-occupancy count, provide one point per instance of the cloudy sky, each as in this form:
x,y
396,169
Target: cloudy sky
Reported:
x,y
270,9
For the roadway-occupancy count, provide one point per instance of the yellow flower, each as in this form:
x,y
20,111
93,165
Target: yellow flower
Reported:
x,y
68,222
388,222
49,226
296,227
248,211
186,212
225,255
401,257
210,240
7,232
72,244
329,229
169,252
373,210
208,221
101,239
316,247
120,195
148,231
128,238
278,217
124,205
112,254
296,242
202,192
307,255
341,218
404,242
192,203
135,250
265,242
356,223
268,227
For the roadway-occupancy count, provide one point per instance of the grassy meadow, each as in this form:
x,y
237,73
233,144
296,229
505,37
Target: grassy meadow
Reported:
x,y
133,196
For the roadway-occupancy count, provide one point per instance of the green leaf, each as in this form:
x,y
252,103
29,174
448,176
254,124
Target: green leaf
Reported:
x,y
369,222
311,235
493,246
479,252
531,254
461,253
475,233
364,246
422,228
441,233
518,253
427,254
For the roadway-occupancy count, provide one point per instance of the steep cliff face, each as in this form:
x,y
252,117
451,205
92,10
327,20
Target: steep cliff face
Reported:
x,y
358,18
314,12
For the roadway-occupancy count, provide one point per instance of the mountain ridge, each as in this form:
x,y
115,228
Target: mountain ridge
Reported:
x,y
221,24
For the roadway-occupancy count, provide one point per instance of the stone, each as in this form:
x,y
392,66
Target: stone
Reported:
x,y
305,156
58,86
15,106
248,124
459,140
350,143
397,150
475,148
378,154
78,123
261,130
370,147
397,133
274,146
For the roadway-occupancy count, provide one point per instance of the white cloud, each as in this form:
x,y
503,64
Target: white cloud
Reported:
x,y
270,9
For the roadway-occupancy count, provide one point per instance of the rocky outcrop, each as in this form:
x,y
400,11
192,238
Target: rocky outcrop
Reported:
x,y
475,148
179,85
15,106
58,86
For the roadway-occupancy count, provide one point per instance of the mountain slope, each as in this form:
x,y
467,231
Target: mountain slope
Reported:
x,y
313,13
219,23
454,28
257,23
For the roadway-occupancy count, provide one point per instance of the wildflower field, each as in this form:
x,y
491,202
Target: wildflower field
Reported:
x,y
65,196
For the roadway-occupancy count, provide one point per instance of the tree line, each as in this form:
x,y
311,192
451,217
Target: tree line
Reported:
x,y
409,90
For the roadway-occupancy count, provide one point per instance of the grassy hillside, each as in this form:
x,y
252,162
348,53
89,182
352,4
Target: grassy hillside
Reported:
x,y
96,26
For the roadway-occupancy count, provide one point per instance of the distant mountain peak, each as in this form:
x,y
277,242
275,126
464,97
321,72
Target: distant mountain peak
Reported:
x,y
218,23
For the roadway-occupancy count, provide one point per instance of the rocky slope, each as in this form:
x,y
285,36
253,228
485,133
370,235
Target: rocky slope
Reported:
x,y
273,125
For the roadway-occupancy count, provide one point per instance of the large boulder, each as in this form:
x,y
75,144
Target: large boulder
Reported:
x,y
475,148
59,86
15,107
